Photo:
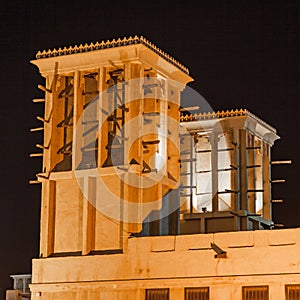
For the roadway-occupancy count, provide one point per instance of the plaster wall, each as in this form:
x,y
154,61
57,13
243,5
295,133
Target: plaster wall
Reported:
x,y
175,262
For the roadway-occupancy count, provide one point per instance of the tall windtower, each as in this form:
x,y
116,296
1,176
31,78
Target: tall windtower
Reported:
x,y
111,149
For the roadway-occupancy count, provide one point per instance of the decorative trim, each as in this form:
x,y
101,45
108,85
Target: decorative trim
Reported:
x,y
110,44
106,252
65,254
223,114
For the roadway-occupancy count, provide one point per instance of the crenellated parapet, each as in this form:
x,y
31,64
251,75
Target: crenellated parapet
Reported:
x,y
110,44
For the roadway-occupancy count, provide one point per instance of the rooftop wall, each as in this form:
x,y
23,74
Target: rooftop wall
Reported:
x,y
248,253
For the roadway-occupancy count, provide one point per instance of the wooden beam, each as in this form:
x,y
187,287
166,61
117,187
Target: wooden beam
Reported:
x,y
281,162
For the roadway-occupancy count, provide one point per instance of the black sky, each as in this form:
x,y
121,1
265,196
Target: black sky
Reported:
x,y
242,54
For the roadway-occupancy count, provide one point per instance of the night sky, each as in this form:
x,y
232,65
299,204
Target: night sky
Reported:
x,y
241,54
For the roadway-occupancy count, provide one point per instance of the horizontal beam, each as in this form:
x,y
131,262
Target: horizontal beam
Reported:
x,y
254,166
41,146
35,154
34,182
281,162
38,100
44,89
277,201
37,129
189,108
277,181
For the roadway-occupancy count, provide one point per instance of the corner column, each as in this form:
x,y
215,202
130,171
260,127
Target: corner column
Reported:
x,y
243,176
267,214
214,170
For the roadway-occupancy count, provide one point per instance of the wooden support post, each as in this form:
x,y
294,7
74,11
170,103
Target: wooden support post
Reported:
x,y
214,170
243,176
267,213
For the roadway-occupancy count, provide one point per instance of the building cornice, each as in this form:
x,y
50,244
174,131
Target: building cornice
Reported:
x,y
110,44
249,120
224,114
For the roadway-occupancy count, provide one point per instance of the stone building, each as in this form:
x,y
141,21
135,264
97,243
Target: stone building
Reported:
x,y
142,199
21,289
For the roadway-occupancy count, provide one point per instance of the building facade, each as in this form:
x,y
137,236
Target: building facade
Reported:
x,y
21,289
142,199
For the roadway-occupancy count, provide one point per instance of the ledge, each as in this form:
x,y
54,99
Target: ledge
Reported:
x,y
110,44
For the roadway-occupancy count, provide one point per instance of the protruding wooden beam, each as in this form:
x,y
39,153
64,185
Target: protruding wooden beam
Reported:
x,y
41,146
37,129
44,89
38,100
42,119
277,201
281,162
43,175
189,108
278,181
34,181
35,154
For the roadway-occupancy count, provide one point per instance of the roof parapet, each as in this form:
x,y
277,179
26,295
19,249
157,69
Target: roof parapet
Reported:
x,y
110,44
223,114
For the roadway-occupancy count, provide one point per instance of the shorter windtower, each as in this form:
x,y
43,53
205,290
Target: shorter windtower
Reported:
x,y
226,172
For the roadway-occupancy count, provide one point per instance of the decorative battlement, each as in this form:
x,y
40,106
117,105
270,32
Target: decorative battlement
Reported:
x,y
223,114
110,44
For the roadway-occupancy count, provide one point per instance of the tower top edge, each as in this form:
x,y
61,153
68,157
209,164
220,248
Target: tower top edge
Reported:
x,y
110,44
